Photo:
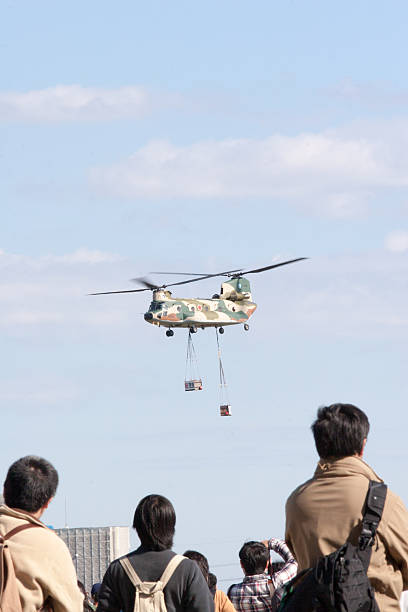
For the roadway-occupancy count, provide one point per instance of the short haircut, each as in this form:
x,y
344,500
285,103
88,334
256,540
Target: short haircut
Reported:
x,y
155,522
30,483
254,556
212,583
201,561
340,430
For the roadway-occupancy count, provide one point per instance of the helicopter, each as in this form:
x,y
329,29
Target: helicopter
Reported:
x,y
232,306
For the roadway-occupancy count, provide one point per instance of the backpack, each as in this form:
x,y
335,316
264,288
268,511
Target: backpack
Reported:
x,y
9,597
149,596
338,582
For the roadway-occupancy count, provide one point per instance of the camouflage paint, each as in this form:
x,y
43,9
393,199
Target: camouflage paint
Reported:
x,y
236,289
186,312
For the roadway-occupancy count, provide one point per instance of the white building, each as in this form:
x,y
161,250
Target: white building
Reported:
x,y
93,548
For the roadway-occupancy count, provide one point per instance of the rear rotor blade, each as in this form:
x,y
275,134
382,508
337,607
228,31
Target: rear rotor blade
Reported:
x,y
151,287
234,273
194,280
283,263
202,274
181,273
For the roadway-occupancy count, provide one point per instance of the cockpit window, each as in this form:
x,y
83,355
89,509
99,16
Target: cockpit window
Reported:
x,y
155,306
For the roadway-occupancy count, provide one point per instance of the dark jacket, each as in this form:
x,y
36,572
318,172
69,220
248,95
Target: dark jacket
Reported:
x,y
186,589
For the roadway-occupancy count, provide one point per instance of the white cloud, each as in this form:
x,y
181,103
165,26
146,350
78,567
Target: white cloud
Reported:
x,y
397,241
361,297
87,256
76,103
51,291
80,256
373,95
328,172
24,317
36,391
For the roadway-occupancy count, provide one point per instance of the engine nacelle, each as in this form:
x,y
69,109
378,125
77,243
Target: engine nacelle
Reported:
x,y
236,289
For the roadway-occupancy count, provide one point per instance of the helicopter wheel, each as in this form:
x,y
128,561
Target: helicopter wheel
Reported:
x,y
193,330
221,330
246,326
169,333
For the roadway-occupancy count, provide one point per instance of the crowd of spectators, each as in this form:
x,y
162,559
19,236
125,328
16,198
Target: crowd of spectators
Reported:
x,y
321,514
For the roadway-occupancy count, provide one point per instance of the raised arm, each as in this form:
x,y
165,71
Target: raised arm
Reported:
x,y
289,570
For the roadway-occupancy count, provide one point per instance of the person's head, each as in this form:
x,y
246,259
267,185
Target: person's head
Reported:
x,y
88,606
212,583
155,522
95,591
200,560
30,484
254,558
340,430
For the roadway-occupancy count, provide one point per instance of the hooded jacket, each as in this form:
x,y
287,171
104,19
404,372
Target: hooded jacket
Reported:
x,y
42,563
326,511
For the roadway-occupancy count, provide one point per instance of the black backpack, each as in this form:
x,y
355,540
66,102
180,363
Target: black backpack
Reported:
x,y
338,582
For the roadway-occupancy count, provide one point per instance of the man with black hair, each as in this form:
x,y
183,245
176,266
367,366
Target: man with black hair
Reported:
x,y
259,591
212,583
327,510
201,561
221,601
43,565
185,588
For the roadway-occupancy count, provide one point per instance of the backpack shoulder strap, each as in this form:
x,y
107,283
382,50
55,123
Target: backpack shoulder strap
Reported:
x,y
128,567
16,530
373,509
170,569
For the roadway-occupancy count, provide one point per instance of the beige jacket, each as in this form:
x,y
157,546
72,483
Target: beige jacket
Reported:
x,y
42,564
325,511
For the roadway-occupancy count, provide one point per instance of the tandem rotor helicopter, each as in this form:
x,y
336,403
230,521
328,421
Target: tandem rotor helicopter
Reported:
x,y
232,306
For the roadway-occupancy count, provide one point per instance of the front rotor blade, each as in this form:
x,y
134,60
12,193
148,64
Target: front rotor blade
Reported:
x,y
125,291
194,280
283,263
146,282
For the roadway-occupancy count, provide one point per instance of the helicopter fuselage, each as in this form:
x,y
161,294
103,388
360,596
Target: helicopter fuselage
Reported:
x,y
232,306
196,312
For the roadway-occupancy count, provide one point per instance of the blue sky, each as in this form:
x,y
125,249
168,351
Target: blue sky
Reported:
x,y
187,136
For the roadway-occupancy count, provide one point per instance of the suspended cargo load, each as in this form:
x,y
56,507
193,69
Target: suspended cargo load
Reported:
x,y
193,385
225,406
225,410
192,379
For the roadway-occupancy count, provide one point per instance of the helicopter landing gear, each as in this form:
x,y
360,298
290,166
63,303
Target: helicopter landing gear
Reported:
x,y
169,333
193,330
246,326
221,330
